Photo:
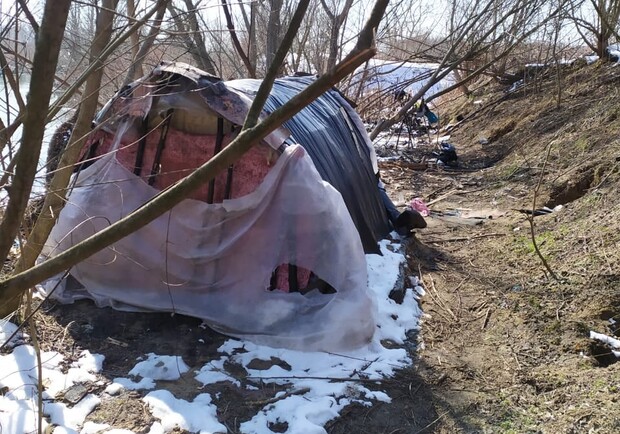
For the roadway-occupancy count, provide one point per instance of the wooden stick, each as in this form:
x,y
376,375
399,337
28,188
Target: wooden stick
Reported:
x,y
486,318
450,240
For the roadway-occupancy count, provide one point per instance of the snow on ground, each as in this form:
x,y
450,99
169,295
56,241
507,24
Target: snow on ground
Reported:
x,y
317,385
612,343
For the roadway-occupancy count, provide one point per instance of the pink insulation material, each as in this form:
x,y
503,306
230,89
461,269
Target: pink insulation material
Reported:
x,y
185,152
182,154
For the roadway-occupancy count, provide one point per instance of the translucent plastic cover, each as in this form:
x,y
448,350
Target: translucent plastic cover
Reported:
x,y
215,261
272,249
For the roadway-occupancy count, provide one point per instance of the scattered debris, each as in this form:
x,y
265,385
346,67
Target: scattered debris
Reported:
x,y
447,155
613,343
419,205
540,211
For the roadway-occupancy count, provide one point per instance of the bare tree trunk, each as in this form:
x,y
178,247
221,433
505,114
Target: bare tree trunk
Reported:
x,y
336,21
64,98
41,84
134,40
459,79
272,72
233,36
301,44
166,200
135,69
192,37
55,199
274,28
252,51
250,26
608,12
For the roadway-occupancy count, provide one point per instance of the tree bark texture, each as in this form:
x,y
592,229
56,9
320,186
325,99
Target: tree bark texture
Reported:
x,y
42,81
55,199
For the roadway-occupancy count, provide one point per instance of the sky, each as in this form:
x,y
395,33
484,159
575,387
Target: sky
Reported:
x,y
309,401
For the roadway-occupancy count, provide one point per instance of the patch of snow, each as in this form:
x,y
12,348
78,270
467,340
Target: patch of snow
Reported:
x,y
317,386
160,367
94,428
214,372
90,362
69,419
591,59
612,342
114,389
7,329
196,416
126,383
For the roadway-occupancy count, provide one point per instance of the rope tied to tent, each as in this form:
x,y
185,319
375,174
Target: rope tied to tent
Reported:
x,y
219,141
155,169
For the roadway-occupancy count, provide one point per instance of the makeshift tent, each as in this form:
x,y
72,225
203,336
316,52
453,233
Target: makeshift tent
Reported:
x,y
271,250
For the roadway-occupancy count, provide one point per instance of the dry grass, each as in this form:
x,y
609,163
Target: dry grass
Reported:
x,y
509,343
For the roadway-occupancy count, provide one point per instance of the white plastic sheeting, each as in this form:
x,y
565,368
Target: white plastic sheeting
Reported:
x,y
215,261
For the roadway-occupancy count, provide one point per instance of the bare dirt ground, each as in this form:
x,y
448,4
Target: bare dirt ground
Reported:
x,y
504,347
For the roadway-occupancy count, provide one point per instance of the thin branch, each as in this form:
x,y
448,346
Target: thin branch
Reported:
x,y
530,217
147,44
104,55
272,72
55,199
33,22
37,351
233,36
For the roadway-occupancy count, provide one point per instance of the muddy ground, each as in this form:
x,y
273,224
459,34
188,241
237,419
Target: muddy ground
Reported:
x,y
504,345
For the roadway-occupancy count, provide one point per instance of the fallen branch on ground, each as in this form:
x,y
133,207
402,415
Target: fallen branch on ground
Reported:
x,y
450,240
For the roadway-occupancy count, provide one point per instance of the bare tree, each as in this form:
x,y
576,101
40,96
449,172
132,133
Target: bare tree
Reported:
x,y
134,39
274,30
598,28
312,44
250,25
237,44
301,43
102,48
474,31
135,69
336,21
55,199
45,61
189,30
